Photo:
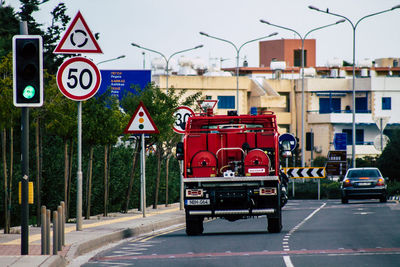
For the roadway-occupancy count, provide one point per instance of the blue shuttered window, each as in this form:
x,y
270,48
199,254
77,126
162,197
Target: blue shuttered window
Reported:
x,y
386,103
227,102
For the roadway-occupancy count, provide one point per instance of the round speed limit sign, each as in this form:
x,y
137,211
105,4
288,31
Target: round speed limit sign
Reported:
x,y
78,78
182,115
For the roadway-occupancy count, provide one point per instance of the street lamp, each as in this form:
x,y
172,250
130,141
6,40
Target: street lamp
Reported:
x,y
165,58
111,59
302,74
354,26
237,59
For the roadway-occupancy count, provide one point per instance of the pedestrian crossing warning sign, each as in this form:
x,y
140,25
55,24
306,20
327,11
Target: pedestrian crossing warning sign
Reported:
x,y
141,122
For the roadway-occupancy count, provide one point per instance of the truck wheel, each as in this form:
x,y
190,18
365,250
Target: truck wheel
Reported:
x,y
275,224
194,225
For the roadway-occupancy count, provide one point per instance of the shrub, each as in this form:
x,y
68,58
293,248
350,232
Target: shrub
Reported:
x,y
309,189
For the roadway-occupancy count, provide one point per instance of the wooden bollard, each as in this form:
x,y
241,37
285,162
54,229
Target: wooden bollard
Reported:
x,y
59,229
55,232
43,230
63,223
48,223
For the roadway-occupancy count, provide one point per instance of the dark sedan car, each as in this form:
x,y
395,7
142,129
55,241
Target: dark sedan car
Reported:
x,y
363,183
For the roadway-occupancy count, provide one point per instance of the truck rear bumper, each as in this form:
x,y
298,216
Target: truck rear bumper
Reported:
x,y
255,212
230,179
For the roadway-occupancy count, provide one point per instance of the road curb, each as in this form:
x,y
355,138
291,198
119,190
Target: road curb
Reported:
x,y
55,261
77,250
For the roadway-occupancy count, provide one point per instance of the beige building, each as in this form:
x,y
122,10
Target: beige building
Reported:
x,y
272,95
328,102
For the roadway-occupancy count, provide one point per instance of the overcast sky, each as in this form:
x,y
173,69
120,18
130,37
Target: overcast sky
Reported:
x,y
169,26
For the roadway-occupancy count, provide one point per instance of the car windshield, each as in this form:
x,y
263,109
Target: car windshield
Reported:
x,y
363,173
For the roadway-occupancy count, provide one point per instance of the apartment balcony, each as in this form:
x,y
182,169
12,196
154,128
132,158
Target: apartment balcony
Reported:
x,y
342,116
362,150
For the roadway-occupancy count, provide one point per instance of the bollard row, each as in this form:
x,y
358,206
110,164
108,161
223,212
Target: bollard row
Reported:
x,y
58,229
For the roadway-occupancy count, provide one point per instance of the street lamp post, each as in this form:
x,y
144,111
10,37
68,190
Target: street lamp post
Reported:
x,y
302,75
354,27
237,59
165,58
112,59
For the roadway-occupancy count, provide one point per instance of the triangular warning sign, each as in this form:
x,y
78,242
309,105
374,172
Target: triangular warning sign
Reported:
x,y
78,39
141,122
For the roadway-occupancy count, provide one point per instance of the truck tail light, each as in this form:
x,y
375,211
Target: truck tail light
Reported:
x,y
267,191
381,182
346,183
194,192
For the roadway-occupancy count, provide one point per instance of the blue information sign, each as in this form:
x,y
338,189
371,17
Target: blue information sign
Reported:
x,y
122,81
288,137
340,141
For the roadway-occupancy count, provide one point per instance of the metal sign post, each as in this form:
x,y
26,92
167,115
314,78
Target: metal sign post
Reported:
x,y
78,79
79,173
142,123
181,115
181,206
143,178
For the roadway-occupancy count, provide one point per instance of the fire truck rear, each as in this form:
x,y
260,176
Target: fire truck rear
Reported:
x,y
231,169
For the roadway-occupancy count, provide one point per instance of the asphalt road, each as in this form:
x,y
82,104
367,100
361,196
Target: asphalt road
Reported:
x,y
315,233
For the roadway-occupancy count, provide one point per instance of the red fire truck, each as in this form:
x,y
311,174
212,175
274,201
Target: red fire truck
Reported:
x,y
231,169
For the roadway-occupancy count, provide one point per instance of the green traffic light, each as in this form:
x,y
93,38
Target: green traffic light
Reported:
x,y
29,92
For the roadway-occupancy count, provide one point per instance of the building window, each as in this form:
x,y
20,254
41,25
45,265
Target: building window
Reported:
x,y
329,105
297,58
359,136
227,102
386,103
362,105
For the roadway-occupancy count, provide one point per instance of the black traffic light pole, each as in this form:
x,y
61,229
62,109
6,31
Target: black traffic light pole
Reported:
x,y
25,168
27,92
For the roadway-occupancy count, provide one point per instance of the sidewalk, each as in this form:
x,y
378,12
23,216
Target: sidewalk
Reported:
x,y
97,232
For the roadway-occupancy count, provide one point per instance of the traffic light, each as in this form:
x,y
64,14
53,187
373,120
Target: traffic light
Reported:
x,y
28,71
309,141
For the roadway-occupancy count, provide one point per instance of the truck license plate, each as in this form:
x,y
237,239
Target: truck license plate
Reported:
x,y
194,202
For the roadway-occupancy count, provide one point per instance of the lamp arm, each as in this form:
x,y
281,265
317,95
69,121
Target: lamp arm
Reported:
x,y
318,28
182,51
370,15
257,39
223,40
285,28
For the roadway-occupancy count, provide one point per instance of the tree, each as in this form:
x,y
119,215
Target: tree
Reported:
x,y
102,122
8,117
60,120
8,28
390,157
161,107
53,35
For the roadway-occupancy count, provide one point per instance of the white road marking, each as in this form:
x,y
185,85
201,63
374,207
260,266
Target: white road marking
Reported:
x,y
288,262
285,242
